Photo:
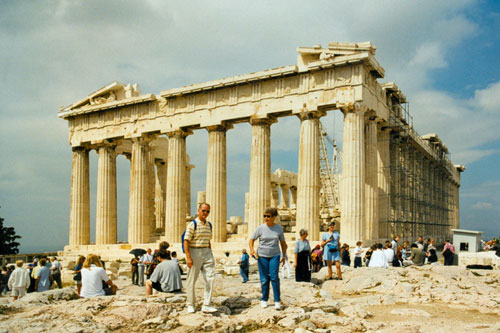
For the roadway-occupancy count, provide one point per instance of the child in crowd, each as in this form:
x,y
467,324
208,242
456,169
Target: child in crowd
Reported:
x,y
345,255
358,254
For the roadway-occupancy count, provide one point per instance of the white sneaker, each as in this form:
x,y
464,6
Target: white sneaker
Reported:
x,y
190,309
206,308
277,305
263,304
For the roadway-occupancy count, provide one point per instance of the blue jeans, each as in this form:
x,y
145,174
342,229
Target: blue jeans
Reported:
x,y
244,274
269,272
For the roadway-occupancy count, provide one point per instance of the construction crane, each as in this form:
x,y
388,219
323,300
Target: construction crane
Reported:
x,y
328,175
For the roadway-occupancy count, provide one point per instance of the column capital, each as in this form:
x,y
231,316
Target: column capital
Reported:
x,y
80,148
144,139
220,128
179,133
262,121
356,107
311,114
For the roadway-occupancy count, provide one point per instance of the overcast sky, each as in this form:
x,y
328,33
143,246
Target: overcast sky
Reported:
x,y
444,55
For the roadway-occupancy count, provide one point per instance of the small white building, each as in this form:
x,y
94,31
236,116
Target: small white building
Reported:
x,y
466,240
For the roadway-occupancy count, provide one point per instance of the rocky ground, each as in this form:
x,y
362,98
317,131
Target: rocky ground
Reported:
x,y
412,299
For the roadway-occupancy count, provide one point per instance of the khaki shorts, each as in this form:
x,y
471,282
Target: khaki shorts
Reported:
x,y
18,292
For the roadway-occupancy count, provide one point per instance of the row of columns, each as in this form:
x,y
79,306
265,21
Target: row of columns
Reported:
x,y
288,198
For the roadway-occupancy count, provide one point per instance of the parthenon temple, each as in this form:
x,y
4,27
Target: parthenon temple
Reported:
x,y
392,181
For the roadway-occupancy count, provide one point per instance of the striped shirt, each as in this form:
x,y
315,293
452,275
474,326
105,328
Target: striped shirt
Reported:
x,y
200,237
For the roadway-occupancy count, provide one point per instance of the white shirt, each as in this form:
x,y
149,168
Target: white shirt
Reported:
x,y
357,252
56,266
20,277
378,259
389,255
92,281
146,258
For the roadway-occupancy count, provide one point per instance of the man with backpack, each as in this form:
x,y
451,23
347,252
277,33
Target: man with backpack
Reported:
x,y
199,258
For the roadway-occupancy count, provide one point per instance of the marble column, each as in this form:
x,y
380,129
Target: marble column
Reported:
x,y
383,174
216,181
175,216
79,224
139,228
308,182
293,197
260,172
201,197
275,195
352,227
247,195
160,194
151,190
106,196
285,196
189,167
371,185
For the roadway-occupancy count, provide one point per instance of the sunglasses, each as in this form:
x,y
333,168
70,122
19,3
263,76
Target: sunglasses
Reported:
x,y
267,216
205,211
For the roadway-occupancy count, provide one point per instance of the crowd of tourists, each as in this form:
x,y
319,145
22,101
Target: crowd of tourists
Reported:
x,y
40,275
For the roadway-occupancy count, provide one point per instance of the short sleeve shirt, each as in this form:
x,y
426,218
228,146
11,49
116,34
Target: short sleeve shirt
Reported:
x,y
92,281
301,245
200,237
269,240
335,242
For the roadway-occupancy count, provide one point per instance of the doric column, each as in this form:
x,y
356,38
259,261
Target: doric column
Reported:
x,y
139,217
352,226
151,190
189,167
160,193
260,172
383,174
247,195
216,181
79,223
371,185
106,196
275,195
308,182
175,216
285,196
293,197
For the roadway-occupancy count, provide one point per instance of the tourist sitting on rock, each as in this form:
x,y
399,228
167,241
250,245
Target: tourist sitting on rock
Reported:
x,y
302,253
431,256
93,276
166,276
317,258
77,277
417,257
378,258
369,253
389,253
19,281
405,252
43,276
398,258
345,255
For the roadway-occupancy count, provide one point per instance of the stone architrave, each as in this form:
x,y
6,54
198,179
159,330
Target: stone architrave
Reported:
x,y
160,193
371,185
383,173
139,217
352,227
216,187
260,172
308,182
79,226
106,196
175,216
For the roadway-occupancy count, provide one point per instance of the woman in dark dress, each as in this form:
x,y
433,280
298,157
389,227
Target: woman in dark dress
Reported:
x,y
302,253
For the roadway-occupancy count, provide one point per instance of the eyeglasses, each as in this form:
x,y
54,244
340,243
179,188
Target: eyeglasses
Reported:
x,y
205,211
267,216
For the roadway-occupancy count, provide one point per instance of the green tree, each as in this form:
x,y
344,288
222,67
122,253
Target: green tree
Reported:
x,y
8,244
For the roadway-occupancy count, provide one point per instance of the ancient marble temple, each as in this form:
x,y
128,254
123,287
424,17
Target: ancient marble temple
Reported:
x,y
377,198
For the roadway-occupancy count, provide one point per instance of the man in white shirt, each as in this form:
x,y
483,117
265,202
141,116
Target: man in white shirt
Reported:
x,y
389,254
378,258
19,281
